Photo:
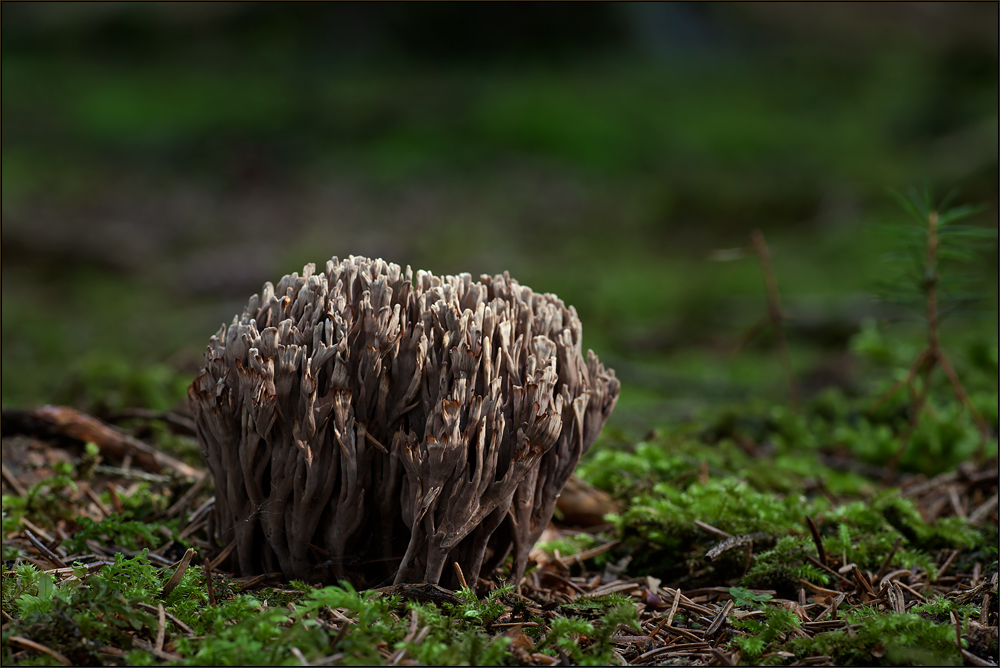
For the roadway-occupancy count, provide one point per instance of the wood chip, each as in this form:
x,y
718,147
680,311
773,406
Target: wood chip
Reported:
x,y
175,579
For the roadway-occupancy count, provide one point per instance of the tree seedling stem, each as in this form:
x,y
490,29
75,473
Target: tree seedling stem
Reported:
x,y
775,316
931,356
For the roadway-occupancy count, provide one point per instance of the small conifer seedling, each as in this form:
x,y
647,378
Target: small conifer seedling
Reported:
x,y
934,237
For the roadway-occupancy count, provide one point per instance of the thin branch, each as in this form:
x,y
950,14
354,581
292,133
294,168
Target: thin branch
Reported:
x,y
776,315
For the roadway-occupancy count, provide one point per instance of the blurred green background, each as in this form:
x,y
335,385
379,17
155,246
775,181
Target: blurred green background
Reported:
x,y
161,161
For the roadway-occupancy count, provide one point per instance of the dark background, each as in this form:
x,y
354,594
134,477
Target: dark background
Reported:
x,y
161,161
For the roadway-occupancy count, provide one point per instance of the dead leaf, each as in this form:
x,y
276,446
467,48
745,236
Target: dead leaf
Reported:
x,y
518,638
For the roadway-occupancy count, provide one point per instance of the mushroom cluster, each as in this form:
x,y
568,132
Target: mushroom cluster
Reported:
x,y
375,424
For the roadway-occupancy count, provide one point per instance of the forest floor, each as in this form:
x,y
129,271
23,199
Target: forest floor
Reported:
x,y
728,515
841,562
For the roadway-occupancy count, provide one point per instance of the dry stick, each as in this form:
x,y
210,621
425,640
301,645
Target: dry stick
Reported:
x,y
181,625
721,657
884,568
75,424
38,647
775,314
863,582
40,532
161,629
956,503
116,500
958,629
186,498
673,607
222,556
12,481
208,580
580,557
947,564
569,583
719,619
975,660
92,495
44,550
751,334
980,513
170,417
711,529
297,653
913,591
158,653
819,541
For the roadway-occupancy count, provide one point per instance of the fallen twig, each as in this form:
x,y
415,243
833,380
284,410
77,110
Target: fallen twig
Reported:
x,y
208,580
819,541
44,550
12,481
39,647
66,421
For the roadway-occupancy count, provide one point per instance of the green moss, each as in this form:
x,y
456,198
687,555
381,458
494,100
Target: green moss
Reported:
x,y
781,567
115,530
664,520
884,639
620,471
593,607
587,642
762,635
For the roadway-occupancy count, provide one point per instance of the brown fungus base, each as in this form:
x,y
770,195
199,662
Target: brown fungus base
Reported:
x,y
374,425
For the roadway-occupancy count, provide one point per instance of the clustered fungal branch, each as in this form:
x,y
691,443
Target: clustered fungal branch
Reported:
x,y
374,424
